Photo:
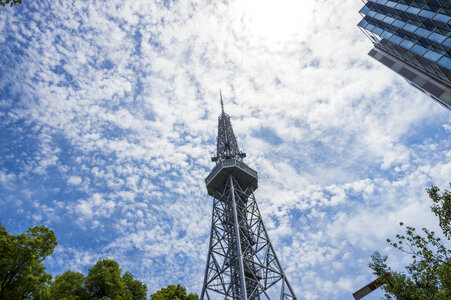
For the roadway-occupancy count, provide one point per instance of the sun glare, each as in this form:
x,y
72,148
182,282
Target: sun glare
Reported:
x,y
276,20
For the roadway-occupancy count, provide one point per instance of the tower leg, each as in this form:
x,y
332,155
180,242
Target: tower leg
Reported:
x,y
241,262
239,254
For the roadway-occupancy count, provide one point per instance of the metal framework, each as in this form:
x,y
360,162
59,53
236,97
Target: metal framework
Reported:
x,y
226,144
241,262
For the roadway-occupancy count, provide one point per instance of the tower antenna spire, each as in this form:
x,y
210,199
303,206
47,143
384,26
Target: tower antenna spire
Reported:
x,y
222,103
241,262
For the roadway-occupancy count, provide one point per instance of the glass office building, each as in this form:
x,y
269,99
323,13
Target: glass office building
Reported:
x,y
413,38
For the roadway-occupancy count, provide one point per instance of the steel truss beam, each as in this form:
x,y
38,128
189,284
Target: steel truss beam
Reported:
x,y
241,263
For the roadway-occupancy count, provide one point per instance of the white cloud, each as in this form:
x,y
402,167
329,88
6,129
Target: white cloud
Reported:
x,y
74,180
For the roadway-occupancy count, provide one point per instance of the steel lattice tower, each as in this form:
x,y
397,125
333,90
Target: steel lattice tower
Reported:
x,y
241,262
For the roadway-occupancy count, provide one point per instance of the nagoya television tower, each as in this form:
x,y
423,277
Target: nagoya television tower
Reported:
x,y
241,262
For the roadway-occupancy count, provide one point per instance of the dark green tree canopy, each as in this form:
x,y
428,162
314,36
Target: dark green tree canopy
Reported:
x,y
429,274
23,276
104,280
69,285
173,292
134,289
22,273
10,2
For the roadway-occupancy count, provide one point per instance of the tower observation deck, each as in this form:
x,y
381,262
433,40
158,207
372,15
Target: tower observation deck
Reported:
x,y
241,262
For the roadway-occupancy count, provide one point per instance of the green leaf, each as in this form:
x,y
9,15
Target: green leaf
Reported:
x,y
428,275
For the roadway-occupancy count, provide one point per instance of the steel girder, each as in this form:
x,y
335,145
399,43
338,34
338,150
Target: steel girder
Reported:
x,y
241,262
226,144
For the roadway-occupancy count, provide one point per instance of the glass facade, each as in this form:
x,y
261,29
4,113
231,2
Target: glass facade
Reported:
x,y
418,79
417,32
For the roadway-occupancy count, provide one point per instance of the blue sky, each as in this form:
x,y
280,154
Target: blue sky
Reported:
x,y
108,115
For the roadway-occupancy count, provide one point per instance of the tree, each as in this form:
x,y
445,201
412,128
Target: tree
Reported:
x,y
429,274
10,2
173,292
442,209
22,274
104,280
134,289
69,285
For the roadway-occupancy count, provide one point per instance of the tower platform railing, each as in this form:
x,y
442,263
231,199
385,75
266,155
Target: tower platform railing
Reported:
x,y
243,173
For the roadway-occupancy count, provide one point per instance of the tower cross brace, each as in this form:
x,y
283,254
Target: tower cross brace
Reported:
x,y
241,261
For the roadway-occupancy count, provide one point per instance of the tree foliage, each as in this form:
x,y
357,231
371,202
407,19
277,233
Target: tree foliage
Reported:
x,y
23,276
22,273
134,289
10,2
104,281
69,285
173,292
429,274
442,208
